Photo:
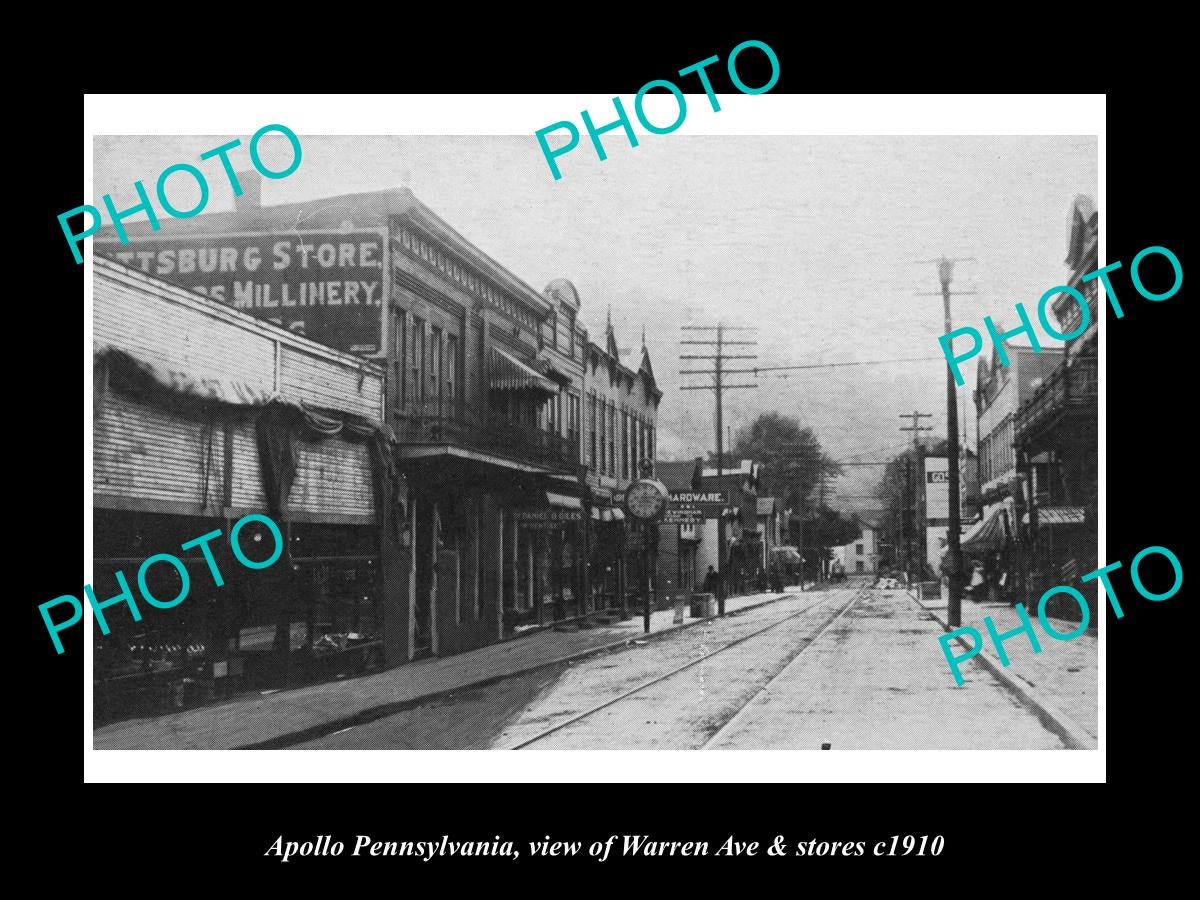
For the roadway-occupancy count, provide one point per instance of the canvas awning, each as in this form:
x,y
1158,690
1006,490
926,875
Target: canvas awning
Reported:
x,y
563,501
786,554
547,367
988,533
607,514
507,373
1057,516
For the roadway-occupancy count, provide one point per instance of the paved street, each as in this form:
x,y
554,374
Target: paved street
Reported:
x,y
852,666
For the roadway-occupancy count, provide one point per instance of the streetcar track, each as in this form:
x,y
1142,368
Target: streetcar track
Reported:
x,y
689,664
762,689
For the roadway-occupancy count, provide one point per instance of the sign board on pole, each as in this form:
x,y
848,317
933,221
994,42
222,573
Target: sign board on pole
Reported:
x,y
937,488
684,515
699,498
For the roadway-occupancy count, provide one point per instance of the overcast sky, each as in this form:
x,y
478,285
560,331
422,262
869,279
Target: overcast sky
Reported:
x,y
813,240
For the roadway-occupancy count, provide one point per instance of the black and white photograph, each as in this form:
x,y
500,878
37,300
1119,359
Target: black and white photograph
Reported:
x,y
415,446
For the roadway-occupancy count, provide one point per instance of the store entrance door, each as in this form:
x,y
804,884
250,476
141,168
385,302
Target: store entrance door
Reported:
x,y
425,553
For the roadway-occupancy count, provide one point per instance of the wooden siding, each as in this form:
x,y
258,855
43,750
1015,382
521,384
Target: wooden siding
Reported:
x,y
150,453
146,454
186,332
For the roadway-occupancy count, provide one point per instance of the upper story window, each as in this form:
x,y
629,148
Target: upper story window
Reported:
x,y
417,359
451,372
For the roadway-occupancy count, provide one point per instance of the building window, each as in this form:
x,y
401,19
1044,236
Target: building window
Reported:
x,y
858,566
436,370
592,431
573,421
624,443
418,361
603,468
858,549
398,347
451,371
611,412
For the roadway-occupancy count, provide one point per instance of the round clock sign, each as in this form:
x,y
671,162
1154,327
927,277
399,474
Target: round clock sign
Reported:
x,y
646,499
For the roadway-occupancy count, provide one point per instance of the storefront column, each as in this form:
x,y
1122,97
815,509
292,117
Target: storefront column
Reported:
x,y
530,573
584,547
622,574
499,574
435,528
410,610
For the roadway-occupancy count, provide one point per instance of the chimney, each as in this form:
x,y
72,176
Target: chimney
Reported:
x,y
251,198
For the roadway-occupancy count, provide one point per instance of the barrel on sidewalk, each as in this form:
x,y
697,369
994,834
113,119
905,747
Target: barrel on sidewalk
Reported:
x,y
703,606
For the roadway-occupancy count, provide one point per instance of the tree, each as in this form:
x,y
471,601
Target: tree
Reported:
x,y
828,528
790,454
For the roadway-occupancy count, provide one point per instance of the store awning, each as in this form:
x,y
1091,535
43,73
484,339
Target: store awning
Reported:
x,y
987,533
563,501
1057,516
607,514
548,367
786,554
507,373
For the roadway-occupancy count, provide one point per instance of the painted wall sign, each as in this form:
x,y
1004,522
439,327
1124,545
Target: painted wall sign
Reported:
x,y
326,285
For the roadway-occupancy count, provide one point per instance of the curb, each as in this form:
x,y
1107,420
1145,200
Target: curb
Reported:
x,y
1053,718
384,710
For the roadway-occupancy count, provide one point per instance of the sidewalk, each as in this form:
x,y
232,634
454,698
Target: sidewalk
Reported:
x,y
288,717
1065,672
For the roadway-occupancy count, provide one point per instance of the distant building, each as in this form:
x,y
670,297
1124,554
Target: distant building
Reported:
x,y
860,556
770,526
741,557
678,569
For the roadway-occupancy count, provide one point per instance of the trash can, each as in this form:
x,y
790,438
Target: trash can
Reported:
x,y
703,605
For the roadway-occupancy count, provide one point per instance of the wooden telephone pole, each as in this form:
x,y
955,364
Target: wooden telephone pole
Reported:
x,y
718,387
916,522
954,549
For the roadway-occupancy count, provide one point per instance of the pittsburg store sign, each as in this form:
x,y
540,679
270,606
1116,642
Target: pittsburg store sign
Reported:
x,y
326,285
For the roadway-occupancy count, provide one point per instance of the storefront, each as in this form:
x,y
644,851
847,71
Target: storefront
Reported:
x,y
185,444
548,536
607,559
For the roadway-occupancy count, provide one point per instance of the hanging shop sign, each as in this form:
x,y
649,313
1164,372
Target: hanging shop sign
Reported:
x,y
684,515
699,498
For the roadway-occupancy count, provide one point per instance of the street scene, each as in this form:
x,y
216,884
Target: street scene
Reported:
x,y
663,457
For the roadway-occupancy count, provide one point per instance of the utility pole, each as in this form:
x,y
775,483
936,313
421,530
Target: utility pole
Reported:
x,y
918,524
954,549
800,459
718,387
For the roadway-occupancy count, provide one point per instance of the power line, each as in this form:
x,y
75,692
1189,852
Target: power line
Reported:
x,y
866,362
718,387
